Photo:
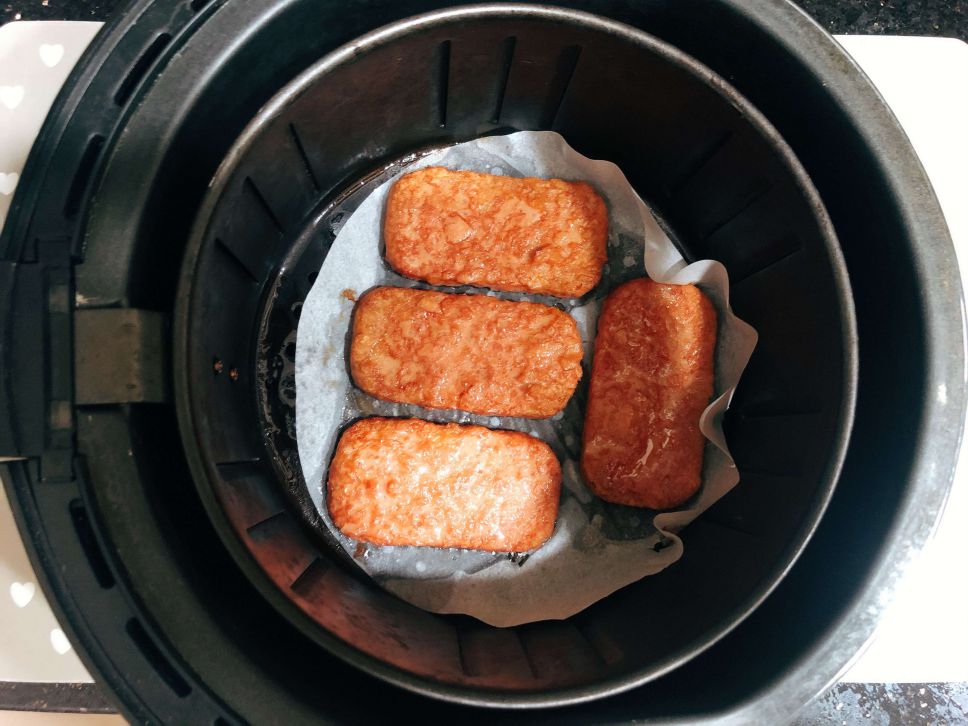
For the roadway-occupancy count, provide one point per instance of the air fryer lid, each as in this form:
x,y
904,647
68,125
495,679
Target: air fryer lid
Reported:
x,y
722,180
145,587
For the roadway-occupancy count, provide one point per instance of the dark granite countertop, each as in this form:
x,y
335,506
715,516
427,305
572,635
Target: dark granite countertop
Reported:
x,y
947,18
874,17
878,704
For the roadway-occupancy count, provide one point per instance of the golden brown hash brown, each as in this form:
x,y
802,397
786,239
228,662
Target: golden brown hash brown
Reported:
x,y
469,352
652,377
544,236
412,482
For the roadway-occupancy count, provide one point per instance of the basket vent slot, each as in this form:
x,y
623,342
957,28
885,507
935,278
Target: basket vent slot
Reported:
x,y
509,44
443,80
139,68
156,658
307,165
254,191
82,176
85,533
567,63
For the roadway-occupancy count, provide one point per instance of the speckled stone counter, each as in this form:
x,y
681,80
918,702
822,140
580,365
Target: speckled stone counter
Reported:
x,y
889,704
846,703
948,18
875,17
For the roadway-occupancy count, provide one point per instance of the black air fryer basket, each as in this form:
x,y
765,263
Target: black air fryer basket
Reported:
x,y
175,211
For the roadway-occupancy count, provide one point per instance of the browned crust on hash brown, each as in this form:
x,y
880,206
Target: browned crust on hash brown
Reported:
x,y
412,482
545,236
469,352
652,377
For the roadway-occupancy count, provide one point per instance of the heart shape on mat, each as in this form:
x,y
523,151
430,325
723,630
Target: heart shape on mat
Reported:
x,y
59,641
22,593
51,54
11,96
8,182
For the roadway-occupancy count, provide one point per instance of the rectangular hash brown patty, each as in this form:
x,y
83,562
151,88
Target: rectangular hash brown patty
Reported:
x,y
652,377
543,236
469,352
412,482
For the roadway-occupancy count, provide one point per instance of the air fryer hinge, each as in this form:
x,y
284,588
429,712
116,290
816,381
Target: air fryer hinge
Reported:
x,y
36,362
119,356
8,442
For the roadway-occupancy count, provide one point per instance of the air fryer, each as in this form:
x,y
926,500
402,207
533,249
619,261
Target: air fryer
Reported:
x,y
173,215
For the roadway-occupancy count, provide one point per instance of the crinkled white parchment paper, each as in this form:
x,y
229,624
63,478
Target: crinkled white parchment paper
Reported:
x,y
596,547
